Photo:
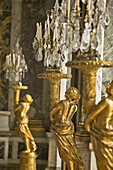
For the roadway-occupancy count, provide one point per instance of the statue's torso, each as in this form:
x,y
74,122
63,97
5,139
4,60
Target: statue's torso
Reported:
x,y
21,112
66,112
104,120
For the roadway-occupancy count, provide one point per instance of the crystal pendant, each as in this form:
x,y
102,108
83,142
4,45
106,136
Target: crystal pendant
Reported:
x,y
76,41
16,77
49,59
63,9
7,74
84,1
94,40
100,35
35,45
95,20
54,60
101,5
85,42
56,7
45,59
68,35
65,53
39,55
26,68
107,18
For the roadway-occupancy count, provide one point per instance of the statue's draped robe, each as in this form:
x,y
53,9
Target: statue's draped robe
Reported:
x,y
102,140
66,146
22,125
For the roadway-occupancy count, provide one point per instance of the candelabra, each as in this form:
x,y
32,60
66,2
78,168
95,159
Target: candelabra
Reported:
x,y
15,65
71,28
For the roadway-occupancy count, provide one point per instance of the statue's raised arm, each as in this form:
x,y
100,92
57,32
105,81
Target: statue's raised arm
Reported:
x,y
63,129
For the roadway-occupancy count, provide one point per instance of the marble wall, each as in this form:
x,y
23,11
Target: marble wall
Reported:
x,y
108,49
5,29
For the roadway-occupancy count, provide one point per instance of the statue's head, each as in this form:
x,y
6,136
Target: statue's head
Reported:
x,y
109,89
73,94
27,98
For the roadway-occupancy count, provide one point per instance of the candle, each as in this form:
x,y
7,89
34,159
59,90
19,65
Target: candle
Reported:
x,y
56,33
48,26
45,31
40,30
7,60
68,9
89,5
54,37
18,60
77,3
10,59
14,59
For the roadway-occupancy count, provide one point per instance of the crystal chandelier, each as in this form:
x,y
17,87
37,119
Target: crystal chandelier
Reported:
x,y
15,65
77,28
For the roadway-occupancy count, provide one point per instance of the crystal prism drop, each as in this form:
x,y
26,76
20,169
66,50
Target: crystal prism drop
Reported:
x,y
94,40
35,45
84,1
39,55
107,18
85,42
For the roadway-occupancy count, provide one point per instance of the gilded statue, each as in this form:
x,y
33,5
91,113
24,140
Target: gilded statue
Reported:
x,y
22,120
63,129
100,124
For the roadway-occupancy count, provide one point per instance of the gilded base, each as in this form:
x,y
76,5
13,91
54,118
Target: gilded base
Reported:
x,y
28,161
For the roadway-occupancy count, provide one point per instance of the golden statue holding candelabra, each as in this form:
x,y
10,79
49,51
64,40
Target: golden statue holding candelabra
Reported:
x,y
63,129
100,124
22,120
27,157
16,67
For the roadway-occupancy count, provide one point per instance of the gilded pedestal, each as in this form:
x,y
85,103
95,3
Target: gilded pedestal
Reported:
x,y
89,69
28,161
54,79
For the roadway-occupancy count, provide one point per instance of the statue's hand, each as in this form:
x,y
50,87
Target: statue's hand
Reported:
x,y
87,125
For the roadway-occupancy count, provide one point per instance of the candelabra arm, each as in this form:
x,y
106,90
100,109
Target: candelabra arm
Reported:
x,y
68,10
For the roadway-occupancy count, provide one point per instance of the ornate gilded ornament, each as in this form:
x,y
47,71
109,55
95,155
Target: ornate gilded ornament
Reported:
x,y
63,129
100,125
